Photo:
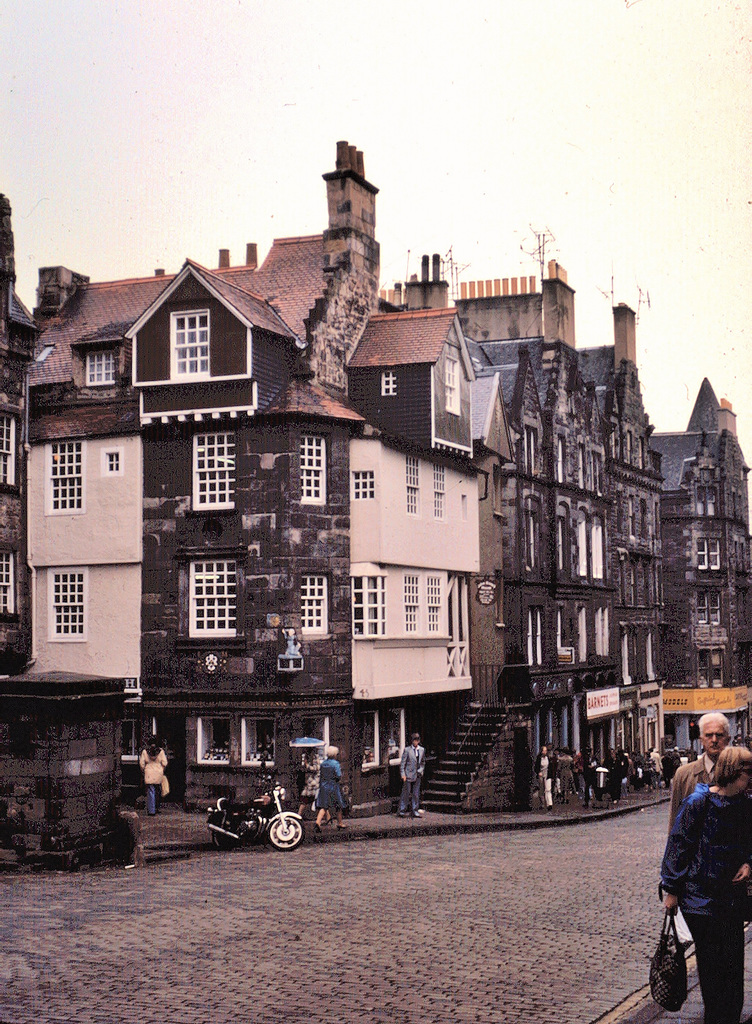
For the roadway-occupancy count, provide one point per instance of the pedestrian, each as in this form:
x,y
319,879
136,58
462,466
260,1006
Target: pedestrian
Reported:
x,y
578,772
705,869
153,762
329,797
412,766
613,766
590,778
655,759
670,762
308,779
566,775
715,734
545,773
624,765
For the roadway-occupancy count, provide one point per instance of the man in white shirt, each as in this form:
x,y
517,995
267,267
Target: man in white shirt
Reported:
x,y
715,734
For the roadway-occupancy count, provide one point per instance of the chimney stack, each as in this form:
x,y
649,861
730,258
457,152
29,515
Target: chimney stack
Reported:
x,y
558,307
56,286
424,269
436,268
625,343
428,293
251,255
159,272
224,259
726,417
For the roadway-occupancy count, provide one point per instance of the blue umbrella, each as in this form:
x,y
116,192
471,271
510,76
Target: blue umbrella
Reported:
x,y
306,741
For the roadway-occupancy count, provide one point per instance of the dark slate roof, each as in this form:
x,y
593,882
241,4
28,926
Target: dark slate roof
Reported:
x,y
291,278
306,398
96,311
483,394
504,356
705,413
677,450
19,314
86,421
597,367
396,339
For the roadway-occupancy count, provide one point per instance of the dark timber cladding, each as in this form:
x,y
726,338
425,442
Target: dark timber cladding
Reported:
x,y
228,335
406,414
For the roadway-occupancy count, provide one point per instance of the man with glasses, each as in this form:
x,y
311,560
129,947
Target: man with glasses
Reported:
x,y
715,734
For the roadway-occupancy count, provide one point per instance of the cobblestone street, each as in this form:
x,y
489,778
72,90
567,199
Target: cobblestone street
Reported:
x,y
553,925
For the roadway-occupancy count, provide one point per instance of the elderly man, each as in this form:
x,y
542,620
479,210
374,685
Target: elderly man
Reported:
x,y
715,734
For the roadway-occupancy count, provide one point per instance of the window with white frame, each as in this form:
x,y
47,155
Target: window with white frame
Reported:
x,y
370,726
596,538
709,607
561,542
582,633
66,476
7,450
363,484
708,554
388,383
439,492
601,631
112,462
452,385
257,740
369,605
534,636
314,610
582,545
129,740
7,585
559,627
626,677
530,450
312,470
412,602
214,470
532,530
213,598
395,734
649,665
68,597
190,344
560,459
213,740
100,368
706,501
317,728
412,485
597,473
433,600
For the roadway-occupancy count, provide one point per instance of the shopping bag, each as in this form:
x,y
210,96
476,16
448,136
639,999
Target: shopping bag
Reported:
x,y
165,786
668,968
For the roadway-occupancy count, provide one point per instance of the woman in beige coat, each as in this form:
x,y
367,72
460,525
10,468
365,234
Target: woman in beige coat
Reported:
x,y
153,761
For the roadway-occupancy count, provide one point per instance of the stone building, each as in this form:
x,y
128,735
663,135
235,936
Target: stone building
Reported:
x,y
632,468
17,335
705,527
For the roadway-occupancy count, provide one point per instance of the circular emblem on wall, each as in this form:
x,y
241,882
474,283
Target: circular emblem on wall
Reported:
x,y
211,662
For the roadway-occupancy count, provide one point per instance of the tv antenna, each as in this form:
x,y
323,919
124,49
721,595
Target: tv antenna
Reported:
x,y
543,239
455,269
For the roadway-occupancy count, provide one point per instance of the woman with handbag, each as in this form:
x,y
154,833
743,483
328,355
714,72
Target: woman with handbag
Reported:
x,y
153,762
707,863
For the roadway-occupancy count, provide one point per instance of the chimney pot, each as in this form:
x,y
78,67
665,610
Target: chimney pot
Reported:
x,y
343,155
398,293
725,404
224,258
159,272
352,157
436,267
424,269
251,255
359,165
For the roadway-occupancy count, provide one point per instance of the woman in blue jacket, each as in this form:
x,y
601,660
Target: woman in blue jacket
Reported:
x,y
329,797
705,868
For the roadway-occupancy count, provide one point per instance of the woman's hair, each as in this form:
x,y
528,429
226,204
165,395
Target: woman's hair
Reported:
x,y
731,763
333,751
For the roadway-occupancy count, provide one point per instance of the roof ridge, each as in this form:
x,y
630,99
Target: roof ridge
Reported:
x,y
128,280
405,313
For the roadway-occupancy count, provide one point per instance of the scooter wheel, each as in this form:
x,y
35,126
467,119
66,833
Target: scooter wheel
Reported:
x,y
285,833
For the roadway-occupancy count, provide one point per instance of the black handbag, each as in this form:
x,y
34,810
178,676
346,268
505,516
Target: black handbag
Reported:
x,y
668,968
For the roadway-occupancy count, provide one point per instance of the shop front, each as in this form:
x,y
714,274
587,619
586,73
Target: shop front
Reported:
x,y
684,706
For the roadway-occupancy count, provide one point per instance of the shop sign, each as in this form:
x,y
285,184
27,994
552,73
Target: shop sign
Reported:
x,y
602,703
486,590
700,701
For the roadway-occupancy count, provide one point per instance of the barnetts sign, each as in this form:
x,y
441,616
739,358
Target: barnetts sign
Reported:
x,y
602,703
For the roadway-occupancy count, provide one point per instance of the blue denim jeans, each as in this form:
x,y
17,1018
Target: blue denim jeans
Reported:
x,y
153,793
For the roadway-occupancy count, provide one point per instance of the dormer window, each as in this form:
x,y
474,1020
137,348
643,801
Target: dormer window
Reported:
x,y
100,368
388,383
190,344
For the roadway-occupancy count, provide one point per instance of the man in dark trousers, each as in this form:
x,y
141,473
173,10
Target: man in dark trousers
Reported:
x,y
412,766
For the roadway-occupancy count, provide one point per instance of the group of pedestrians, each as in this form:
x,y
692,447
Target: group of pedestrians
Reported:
x,y
560,774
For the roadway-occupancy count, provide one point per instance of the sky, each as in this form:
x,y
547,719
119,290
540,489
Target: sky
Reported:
x,y
136,134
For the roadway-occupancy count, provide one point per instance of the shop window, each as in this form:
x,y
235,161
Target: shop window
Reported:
x,y
395,734
258,741
370,726
130,746
213,740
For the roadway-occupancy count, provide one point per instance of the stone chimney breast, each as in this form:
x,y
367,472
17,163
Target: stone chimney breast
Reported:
x,y
224,259
726,417
625,341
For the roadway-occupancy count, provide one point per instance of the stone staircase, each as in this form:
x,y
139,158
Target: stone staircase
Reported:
x,y
450,781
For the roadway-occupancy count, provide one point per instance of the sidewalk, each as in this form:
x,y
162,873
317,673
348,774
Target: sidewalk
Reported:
x,y
640,1008
175,833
